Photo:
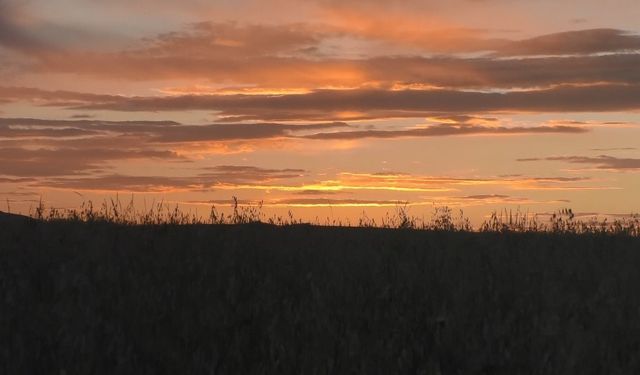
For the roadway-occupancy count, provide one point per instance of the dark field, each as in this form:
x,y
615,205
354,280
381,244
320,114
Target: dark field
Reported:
x,y
100,298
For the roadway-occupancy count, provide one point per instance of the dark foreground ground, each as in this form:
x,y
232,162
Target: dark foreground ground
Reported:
x,y
256,299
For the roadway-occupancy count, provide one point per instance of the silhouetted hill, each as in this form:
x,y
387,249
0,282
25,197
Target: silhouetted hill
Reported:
x,y
8,217
99,298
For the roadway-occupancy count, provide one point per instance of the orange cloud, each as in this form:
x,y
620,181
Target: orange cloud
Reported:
x,y
418,30
311,56
393,182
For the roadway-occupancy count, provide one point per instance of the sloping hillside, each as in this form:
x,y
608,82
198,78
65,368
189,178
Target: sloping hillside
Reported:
x,y
248,299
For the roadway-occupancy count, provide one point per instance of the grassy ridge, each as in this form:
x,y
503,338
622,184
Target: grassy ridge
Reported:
x,y
102,298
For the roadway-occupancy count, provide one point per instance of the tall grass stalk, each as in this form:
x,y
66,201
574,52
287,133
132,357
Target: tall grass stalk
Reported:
x,y
442,218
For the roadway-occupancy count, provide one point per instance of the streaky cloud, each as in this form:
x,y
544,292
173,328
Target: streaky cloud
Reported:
x,y
574,42
604,162
335,105
205,180
447,130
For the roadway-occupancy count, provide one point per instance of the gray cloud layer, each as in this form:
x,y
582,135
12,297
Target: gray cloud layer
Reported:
x,y
446,130
330,104
46,148
155,132
37,147
336,105
290,55
204,181
600,162
574,42
300,71
12,34
68,161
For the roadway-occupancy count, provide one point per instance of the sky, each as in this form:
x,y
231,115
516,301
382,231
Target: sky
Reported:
x,y
333,110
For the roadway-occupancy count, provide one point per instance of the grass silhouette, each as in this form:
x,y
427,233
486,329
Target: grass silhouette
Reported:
x,y
115,291
442,218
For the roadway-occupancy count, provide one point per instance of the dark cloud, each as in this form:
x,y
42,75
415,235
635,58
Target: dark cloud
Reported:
x,y
23,162
447,130
227,132
605,162
81,116
225,40
152,132
575,42
295,71
462,119
125,183
52,97
615,149
559,179
336,104
485,196
91,124
234,174
9,132
217,51
40,147
13,35
504,73
207,180
43,148
18,180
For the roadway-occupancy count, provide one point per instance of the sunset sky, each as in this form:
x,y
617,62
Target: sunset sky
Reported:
x,y
325,108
